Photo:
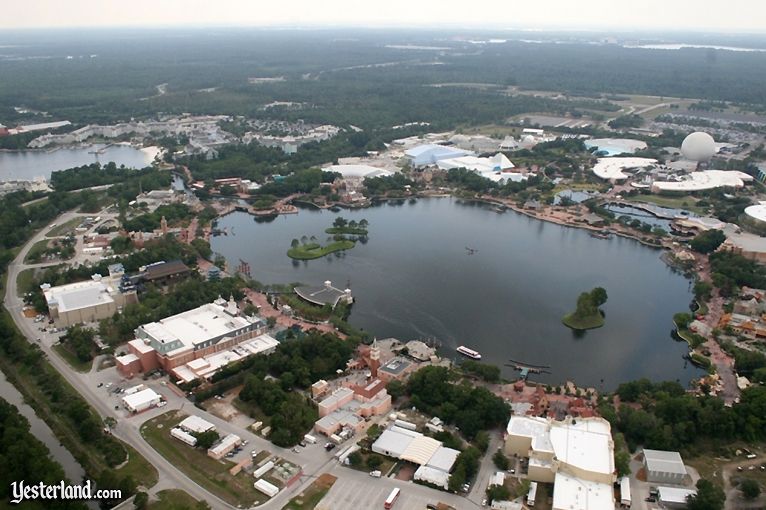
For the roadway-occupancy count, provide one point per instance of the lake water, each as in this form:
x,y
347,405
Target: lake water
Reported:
x,y
26,165
414,278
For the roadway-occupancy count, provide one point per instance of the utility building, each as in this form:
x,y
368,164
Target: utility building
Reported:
x,y
664,467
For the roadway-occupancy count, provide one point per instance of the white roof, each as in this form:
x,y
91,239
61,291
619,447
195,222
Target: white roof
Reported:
x,y
140,398
196,424
196,326
357,170
536,428
183,436
126,359
674,495
664,461
570,493
625,488
707,179
226,443
497,162
421,449
265,487
433,476
584,443
612,168
444,458
616,145
395,441
497,479
757,212
76,296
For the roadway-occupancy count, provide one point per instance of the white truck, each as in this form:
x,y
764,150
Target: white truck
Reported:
x,y
310,439
375,474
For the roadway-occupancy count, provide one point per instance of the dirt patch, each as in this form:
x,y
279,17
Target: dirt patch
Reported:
x,y
223,410
641,475
325,480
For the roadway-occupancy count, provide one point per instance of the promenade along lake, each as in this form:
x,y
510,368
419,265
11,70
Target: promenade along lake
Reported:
x,y
26,165
415,278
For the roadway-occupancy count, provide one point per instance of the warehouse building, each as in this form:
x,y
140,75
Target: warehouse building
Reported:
x,y
577,456
673,497
664,467
430,154
141,400
88,301
224,446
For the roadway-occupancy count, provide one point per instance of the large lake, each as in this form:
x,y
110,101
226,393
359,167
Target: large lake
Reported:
x,y
414,278
26,165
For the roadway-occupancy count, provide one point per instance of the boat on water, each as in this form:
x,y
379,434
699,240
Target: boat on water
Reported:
x,y
465,351
601,235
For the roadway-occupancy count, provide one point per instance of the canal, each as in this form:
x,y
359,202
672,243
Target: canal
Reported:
x,y
416,278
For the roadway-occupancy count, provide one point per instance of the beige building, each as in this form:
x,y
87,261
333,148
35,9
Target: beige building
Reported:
x,y
88,301
576,455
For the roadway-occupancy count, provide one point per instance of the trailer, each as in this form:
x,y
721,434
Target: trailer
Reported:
x,y
310,439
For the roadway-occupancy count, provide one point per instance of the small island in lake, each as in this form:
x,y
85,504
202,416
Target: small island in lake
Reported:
x,y
345,234
587,315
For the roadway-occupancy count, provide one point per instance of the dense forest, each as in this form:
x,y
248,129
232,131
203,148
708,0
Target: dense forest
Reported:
x,y
349,77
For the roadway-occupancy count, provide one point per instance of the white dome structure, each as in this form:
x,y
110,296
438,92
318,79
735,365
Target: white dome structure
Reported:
x,y
698,146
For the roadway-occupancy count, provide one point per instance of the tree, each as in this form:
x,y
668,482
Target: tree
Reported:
x,y
750,488
271,321
141,500
500,460
598,296
340,222
355,459
374,461
498,492
294,243
206,439
708,242
708,497
622,463
395,388
482,440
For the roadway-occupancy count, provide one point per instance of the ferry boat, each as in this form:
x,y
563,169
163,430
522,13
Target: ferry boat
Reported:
x,y
465,351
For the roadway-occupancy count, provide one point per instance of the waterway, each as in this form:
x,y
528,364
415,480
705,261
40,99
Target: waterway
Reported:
x,y
415,278
41,431
29,164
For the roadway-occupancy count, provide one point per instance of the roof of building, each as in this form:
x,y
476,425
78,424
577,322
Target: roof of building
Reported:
x,y
165,269
395,440
584,443
228,442
358,171
536,428
612,168
674,494
341,417
443,458
324,295
707,179
196,326
480,165
572,493
435,152
421,449
664,461
196,424
140,398
395,366
757,211
433,476
183,435
126,359
336,396
76,296
498,478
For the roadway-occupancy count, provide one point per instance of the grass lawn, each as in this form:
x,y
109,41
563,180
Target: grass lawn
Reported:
x,y
668,201
72,359
590,322
36,252
25,281
314,250
64,228
710,463
211,474
308,499
173,499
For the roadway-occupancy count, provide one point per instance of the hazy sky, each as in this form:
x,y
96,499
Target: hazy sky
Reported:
x,y
731,15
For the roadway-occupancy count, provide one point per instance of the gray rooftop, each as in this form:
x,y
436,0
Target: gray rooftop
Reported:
x,y
322,295
664,461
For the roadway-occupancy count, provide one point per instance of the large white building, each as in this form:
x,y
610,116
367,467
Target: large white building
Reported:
x,y
706,179
88,301
434,459
430,154
576,455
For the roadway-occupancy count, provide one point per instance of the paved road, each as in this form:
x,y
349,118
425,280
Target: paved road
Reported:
x,y
313,459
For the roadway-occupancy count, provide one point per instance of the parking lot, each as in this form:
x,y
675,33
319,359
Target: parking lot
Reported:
x,y
349,494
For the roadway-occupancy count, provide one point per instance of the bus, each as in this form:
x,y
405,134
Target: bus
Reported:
x,y
532,494
391,499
